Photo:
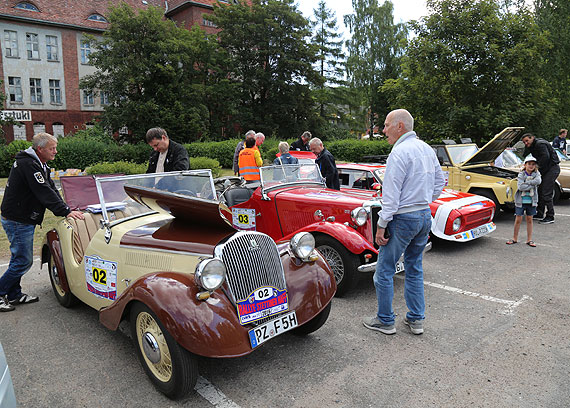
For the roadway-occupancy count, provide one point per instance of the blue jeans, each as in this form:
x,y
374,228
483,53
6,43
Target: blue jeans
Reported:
x,y
408,235
21,237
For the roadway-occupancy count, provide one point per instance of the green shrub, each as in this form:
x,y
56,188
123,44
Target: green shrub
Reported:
x,y
197,163
223,152
8,153
79,152
352,150
122,167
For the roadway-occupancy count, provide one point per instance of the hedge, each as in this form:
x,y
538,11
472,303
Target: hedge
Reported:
x,y
124,167
84,150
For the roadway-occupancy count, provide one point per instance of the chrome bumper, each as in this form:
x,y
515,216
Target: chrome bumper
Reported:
x,y
371,267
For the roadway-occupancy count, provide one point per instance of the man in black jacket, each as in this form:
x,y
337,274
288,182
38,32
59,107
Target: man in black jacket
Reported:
x,y
168,155
29,191
548,165
325,161
302,143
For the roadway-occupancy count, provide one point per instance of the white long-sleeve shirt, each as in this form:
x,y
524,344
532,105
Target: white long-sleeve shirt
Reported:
x,y
413,178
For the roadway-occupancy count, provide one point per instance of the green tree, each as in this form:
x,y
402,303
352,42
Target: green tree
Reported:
x,y
330,57
374,51
552,17
158,74
472,70
273,63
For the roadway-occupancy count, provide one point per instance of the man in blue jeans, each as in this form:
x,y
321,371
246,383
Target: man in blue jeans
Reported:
x,y
28,193
413,179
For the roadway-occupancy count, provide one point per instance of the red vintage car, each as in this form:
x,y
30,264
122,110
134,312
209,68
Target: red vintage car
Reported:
x,y
293,198
457,216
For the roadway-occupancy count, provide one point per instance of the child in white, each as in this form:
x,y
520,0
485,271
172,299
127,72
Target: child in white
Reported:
x,y
526,199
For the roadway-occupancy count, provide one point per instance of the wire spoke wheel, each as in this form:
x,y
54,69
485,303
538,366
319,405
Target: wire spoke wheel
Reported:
x,y
343,264
335,262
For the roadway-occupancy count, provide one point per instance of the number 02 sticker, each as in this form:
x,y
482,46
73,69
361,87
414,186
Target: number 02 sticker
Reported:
x,y
101,277
244,218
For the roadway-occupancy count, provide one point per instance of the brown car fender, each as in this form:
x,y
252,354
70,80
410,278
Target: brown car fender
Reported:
x,y
53,246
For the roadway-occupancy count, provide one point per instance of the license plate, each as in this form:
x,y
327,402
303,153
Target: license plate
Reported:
x,y
479,231
272,328
399,266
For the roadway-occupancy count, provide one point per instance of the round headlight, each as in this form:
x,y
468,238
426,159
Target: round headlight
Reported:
x,y
303,244
210,274
456,224
359,216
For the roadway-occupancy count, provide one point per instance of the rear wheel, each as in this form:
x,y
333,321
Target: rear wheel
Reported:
x,y
315,323
342,263
66,299
170,367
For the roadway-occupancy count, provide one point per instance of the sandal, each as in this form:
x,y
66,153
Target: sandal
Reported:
x,y
531,244
511,242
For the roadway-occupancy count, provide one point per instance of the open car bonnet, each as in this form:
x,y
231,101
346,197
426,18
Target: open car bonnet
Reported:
x,y
494,147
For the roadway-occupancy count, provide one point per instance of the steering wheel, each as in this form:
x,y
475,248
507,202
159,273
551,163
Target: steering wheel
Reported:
x,y
189,193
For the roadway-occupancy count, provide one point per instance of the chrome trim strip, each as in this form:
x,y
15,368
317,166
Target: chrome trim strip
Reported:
x,y
168,251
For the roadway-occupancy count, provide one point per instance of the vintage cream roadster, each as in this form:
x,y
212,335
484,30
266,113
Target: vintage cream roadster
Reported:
x,y
155,250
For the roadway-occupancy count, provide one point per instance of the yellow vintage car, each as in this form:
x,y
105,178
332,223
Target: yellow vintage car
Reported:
x,y
467,168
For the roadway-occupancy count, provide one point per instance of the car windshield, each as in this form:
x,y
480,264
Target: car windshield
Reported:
x,y
460,153
290,174
561,155
511,159
112,195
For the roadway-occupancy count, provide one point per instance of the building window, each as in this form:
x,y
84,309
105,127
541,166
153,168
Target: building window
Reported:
x,y
54,91
88,98
26,6
11,43
208,23
36,90
104,98
33,46
52,48
15,89
97,17
39,127
58,130
85,51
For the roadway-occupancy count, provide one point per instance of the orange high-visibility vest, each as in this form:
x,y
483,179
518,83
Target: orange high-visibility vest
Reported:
x,y
247,162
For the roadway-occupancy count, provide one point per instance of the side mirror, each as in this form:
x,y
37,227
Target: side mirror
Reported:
x,y
377,186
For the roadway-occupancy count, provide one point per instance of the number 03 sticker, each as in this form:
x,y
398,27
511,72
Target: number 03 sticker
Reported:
x,y
244,218
101,277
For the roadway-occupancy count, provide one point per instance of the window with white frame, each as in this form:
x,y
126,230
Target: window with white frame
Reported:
x,y
208,23
104,98
26,6
33,46
54,91
11,43
85,51
52,48
88,98
36,90
97,17
15,89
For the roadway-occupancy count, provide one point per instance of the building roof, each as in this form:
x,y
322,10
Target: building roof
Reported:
x,y
73,13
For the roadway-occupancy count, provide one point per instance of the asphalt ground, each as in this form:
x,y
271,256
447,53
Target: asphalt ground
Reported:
x,y
496,335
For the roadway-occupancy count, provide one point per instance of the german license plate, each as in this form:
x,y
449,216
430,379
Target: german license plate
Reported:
x,y
480,231
272,328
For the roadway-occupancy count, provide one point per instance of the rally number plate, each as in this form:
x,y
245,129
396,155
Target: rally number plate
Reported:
x,y
272,328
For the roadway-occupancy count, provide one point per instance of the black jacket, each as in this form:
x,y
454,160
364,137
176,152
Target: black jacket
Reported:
x,y
299,145
176,158
327,165
546,157
30,190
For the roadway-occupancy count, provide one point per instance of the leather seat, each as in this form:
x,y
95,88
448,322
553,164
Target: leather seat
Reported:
x,y
235,196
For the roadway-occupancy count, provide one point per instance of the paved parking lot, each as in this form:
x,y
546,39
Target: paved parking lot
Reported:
x,y
496,336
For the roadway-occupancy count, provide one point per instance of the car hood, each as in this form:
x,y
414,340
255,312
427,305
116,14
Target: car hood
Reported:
x,y
495,147
319,195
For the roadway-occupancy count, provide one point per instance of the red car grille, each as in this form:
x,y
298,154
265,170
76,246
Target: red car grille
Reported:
x,y
477,218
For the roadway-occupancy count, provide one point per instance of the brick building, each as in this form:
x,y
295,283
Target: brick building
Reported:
x,y
44,53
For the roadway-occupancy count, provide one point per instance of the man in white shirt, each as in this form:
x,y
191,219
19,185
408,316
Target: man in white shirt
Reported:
x,y
413,179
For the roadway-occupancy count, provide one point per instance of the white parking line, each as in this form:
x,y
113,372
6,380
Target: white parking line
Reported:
x,y
213,395
511,304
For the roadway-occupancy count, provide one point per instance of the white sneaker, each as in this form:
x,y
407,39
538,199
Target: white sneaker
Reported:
x,y
5,306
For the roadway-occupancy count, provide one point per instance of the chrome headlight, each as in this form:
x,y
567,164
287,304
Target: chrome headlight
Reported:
x,y
359,216
303,245
456,224
210,274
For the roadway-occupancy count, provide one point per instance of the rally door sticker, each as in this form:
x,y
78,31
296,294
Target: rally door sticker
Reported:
x,y
101,277
243,218
262,302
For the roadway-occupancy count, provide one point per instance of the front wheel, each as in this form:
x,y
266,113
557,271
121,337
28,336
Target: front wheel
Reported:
x,y
342,263
66,299
170,367
315,323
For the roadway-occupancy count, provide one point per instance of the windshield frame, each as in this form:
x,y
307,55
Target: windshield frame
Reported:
x,y
465,151
314,168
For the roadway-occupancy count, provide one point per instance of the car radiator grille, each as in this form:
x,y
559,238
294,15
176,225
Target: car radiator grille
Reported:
x,y
478,218
252,261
